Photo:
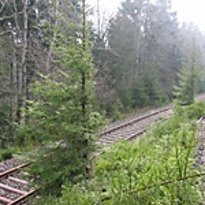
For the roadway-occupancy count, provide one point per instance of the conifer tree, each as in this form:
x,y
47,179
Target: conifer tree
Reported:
x,y
63,114
184,92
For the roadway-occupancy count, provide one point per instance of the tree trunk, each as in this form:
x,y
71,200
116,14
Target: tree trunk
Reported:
x,y
84,97
14,90
22,88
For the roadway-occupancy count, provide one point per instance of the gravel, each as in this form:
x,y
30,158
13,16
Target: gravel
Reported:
x,y
8,164
125,132
133,117
13,181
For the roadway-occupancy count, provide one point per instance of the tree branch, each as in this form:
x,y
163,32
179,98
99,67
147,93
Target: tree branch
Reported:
x,y
6,32
10,16
3,5
163,183
16,15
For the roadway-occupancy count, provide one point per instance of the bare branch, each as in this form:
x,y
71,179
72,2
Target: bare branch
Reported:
x,y
19,12
3,3
16,16
6,32
10,16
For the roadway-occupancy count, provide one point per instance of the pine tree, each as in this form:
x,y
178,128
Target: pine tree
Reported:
x,y
143,38
63,114
184,92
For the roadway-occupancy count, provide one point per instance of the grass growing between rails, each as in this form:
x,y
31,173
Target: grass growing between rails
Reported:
x,y
157,169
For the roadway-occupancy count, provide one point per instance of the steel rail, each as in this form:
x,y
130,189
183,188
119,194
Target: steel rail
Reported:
x,y
13,170
138,119
23,195
108,140
146,116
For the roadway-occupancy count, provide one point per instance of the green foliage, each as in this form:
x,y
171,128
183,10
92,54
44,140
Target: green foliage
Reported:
x,y
143,62
12,151
6,154
57,118
193,111
162,157
148,90
63,117
6,127
6,122
117,110
140,97
145,172
187,77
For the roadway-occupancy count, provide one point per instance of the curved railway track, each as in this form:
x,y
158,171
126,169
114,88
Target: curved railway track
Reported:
x,y
13,190
134,126
131,128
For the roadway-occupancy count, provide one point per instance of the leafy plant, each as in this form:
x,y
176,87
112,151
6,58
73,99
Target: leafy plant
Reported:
x,y
157,169
63,115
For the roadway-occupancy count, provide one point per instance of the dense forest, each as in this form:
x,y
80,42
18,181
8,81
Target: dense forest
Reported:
x,y
62,77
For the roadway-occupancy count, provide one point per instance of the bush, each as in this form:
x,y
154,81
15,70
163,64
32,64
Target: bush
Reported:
x,y
146,172
6,127
6,154
193,111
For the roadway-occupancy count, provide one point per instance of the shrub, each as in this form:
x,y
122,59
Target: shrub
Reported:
x,y
153,170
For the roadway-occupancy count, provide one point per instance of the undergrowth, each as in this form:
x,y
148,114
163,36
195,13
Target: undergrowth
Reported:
x,y
156,169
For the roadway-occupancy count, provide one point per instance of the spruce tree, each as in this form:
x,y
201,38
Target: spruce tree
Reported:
x,y
63,114
184,92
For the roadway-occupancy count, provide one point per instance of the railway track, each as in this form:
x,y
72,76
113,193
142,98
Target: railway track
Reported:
x,y
13,190
134,126
131,128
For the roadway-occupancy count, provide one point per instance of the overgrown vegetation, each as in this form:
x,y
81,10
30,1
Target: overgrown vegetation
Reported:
x,y
48,84
185,91
137,54
156,169
63,117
